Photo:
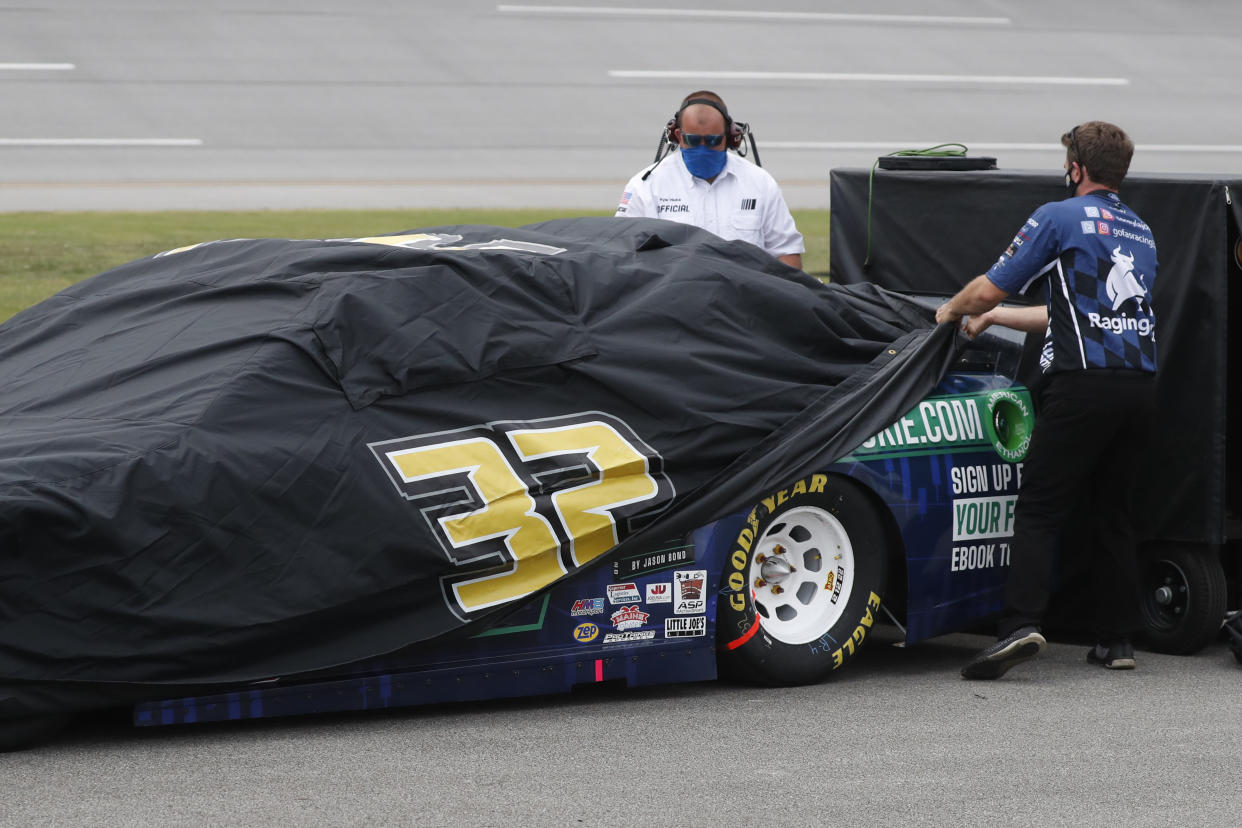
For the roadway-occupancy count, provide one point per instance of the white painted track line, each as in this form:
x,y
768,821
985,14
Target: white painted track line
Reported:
x,y
37,67
856,77
101,142
772,16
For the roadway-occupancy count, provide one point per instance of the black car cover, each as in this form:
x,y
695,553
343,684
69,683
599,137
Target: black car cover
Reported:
x,y
261,457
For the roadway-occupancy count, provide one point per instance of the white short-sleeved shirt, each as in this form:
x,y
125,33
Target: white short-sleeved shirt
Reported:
x,y
744,202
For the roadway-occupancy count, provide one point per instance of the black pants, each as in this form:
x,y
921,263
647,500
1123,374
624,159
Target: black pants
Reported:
x,y
1090,440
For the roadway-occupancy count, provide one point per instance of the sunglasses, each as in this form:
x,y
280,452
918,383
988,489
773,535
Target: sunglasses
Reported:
x,y
1073,144
692,140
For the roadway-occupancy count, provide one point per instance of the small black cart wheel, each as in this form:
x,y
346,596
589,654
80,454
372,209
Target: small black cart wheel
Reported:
x,y
803,583
1182,595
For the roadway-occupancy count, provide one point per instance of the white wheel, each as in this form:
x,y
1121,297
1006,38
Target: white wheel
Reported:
x,y
803,585
802,574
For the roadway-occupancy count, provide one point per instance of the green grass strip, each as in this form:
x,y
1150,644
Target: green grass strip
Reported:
x,y
42,253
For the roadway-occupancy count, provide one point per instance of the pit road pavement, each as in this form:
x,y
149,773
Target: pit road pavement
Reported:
x,y
896,739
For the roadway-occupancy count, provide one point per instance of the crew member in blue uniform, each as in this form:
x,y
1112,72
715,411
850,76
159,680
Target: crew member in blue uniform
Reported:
x,y
1097,260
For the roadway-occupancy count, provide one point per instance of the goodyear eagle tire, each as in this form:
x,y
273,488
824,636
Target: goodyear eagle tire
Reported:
x,y
803,582
1182,597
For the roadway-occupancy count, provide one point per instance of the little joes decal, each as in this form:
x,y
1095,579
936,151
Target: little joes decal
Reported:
x,y
685,627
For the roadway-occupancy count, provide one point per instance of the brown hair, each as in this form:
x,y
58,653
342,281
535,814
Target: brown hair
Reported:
x,y
1103,149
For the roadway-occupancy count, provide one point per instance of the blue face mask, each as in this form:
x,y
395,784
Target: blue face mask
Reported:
x,y
704,162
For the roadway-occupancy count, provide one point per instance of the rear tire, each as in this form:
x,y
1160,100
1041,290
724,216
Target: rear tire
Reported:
x,y
1182,596
803,584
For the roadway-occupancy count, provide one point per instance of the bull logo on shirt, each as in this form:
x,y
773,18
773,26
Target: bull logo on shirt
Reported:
x,y
1121,283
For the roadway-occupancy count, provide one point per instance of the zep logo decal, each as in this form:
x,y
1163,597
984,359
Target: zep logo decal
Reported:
x,y
586,632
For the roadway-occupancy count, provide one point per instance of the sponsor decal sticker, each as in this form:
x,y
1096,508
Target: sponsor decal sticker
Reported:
x,y
688,592
661,593
586,632
625,637
980,521
1092,212
588,606
839,582
629,618
983,517
1088,227
623,594
1104,214
939,421
690,627
652,562
979,556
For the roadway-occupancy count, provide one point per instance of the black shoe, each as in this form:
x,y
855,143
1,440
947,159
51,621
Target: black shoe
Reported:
x,y
1119,655
1020,645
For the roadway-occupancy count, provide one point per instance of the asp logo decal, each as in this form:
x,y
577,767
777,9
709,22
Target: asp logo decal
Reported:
x,y
688,592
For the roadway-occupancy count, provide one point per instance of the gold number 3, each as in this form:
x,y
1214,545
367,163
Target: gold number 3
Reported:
x,y
530,501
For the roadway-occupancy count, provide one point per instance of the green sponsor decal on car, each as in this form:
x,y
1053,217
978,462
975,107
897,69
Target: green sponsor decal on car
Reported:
x,y
1001,420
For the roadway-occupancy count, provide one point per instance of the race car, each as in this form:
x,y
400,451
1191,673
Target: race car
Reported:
x,y
259,477
912,526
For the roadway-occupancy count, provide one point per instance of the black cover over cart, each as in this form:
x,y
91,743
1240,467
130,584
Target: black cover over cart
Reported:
x,y
931,231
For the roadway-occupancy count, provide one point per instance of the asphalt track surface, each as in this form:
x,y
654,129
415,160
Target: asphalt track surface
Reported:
x,y
897,739
160,104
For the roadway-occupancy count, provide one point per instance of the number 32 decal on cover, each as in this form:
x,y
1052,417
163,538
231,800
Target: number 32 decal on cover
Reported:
x,y
526,502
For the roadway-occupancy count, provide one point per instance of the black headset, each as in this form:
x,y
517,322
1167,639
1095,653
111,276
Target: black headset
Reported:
x,y
733,132
737,133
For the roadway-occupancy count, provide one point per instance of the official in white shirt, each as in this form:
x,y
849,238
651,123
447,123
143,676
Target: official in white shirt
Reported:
x,y
705,185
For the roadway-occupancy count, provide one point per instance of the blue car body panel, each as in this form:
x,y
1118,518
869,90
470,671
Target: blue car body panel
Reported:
x,y
944,476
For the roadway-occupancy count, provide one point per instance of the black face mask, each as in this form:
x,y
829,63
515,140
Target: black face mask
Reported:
x,y
1071,186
